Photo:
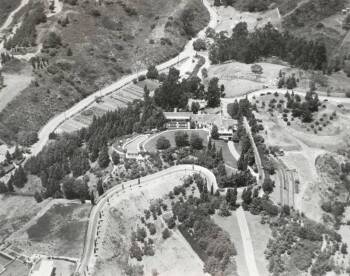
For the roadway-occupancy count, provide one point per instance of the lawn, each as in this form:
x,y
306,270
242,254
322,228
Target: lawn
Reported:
x,y
230,225
150,144
16,268
61,230
260,234
228,158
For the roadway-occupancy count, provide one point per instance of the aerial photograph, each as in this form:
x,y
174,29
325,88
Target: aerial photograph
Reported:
x,y
174,137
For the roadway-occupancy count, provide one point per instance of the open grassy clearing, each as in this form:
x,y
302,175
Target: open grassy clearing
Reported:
x,y
229,17
17,77
12,214
228,158
16,268
230,225
238,78
150,145
260,233
173,256
59,231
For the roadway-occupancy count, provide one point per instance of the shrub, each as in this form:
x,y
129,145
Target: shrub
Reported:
x,y
162,143
152,72
166,233
196,141
141,77
53,40
181,139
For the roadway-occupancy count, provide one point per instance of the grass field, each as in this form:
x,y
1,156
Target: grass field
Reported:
x,y
59,231
16,268
260,233
150,145
238,78
230,225
228,158
12,214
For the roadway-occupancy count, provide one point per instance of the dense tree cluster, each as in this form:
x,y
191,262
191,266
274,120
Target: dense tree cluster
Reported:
x,y
303,109
265,42
73,153
210,242
174,93
299,238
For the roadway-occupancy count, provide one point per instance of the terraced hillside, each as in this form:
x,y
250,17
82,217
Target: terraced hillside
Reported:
x,y
88,46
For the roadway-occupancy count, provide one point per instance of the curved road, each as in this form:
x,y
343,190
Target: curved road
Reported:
x,y
89,246
55,122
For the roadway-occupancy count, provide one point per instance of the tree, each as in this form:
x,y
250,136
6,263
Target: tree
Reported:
x,y
52,41
3,188
8,158
224,210
196,142
152,72
69,52
344,248
231,197
162,143
103,158
195,107
213,93
100,189
166,233
17,154
217,3
247,196
19,177
256,69
181,139
199,44
38,197
214,132
268,185
115,158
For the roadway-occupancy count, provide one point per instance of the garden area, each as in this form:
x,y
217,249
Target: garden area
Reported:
x,y
151,144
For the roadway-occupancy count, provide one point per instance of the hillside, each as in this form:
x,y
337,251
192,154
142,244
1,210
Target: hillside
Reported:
x,y
6,7
88,46
312,19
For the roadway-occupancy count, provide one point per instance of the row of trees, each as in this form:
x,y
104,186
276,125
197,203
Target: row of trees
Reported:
x,y
265,42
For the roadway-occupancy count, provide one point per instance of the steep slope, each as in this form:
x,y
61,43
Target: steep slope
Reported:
x,y
88,46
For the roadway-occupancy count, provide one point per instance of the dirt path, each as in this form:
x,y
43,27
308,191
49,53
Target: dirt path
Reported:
x,y
12,15
247,243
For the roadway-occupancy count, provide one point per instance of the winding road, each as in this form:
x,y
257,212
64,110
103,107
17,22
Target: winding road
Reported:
x,y
89,247
55,122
